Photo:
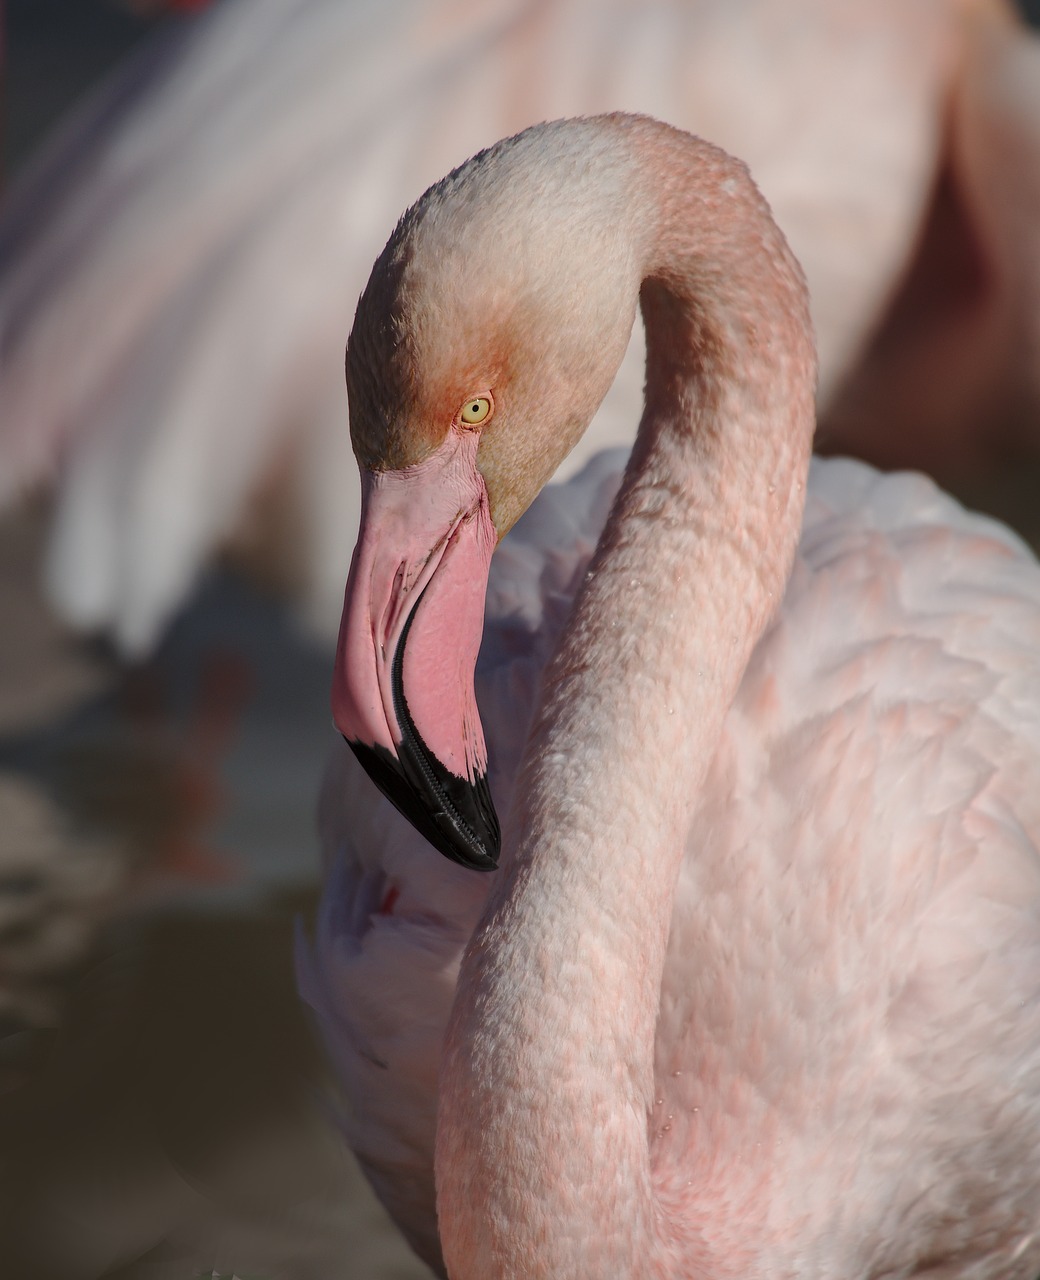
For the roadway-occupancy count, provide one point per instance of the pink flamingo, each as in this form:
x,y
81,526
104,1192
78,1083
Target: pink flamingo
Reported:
x,y
755,992
176,270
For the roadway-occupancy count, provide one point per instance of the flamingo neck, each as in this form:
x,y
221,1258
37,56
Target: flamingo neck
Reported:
x,y
547,1084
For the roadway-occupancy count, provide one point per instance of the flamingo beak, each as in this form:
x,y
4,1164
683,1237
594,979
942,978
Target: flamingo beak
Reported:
x,y
413,615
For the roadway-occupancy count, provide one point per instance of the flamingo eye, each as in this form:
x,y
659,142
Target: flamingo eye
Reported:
x,y
477,409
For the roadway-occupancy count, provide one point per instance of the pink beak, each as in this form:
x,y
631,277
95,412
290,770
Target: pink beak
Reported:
x,y
402,691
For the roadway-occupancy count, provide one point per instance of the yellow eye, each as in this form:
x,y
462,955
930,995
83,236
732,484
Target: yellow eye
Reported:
x,y
476,410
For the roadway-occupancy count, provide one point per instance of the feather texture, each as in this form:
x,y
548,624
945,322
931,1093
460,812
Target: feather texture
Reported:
x,y
868,829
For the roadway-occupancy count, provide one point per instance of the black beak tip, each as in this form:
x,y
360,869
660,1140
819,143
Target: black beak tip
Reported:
x,y
456,816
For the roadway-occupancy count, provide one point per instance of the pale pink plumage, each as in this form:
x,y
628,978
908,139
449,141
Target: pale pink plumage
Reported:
x,y
180,267
837,1071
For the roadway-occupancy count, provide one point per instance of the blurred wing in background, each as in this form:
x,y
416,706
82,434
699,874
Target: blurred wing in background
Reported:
x,y
179,268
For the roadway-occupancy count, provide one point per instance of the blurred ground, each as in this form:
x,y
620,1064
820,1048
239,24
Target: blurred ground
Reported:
x,y
163,1106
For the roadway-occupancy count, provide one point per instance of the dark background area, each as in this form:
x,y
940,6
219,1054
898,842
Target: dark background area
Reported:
x,y
57,49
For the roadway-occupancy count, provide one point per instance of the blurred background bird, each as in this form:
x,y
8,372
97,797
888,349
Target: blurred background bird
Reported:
x,y
179,265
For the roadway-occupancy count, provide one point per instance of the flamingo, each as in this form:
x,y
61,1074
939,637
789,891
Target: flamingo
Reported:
x,y
176,267
755,989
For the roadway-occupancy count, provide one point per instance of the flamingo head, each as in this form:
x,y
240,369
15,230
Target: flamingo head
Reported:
x,y
488,333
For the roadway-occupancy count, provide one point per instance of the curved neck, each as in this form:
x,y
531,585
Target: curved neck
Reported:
x,y
547,1086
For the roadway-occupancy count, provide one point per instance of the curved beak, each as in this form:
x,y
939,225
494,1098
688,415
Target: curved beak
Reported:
x,y
402,692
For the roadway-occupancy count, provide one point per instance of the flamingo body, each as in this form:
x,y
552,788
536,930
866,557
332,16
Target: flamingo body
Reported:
x,y
754,991
861,888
